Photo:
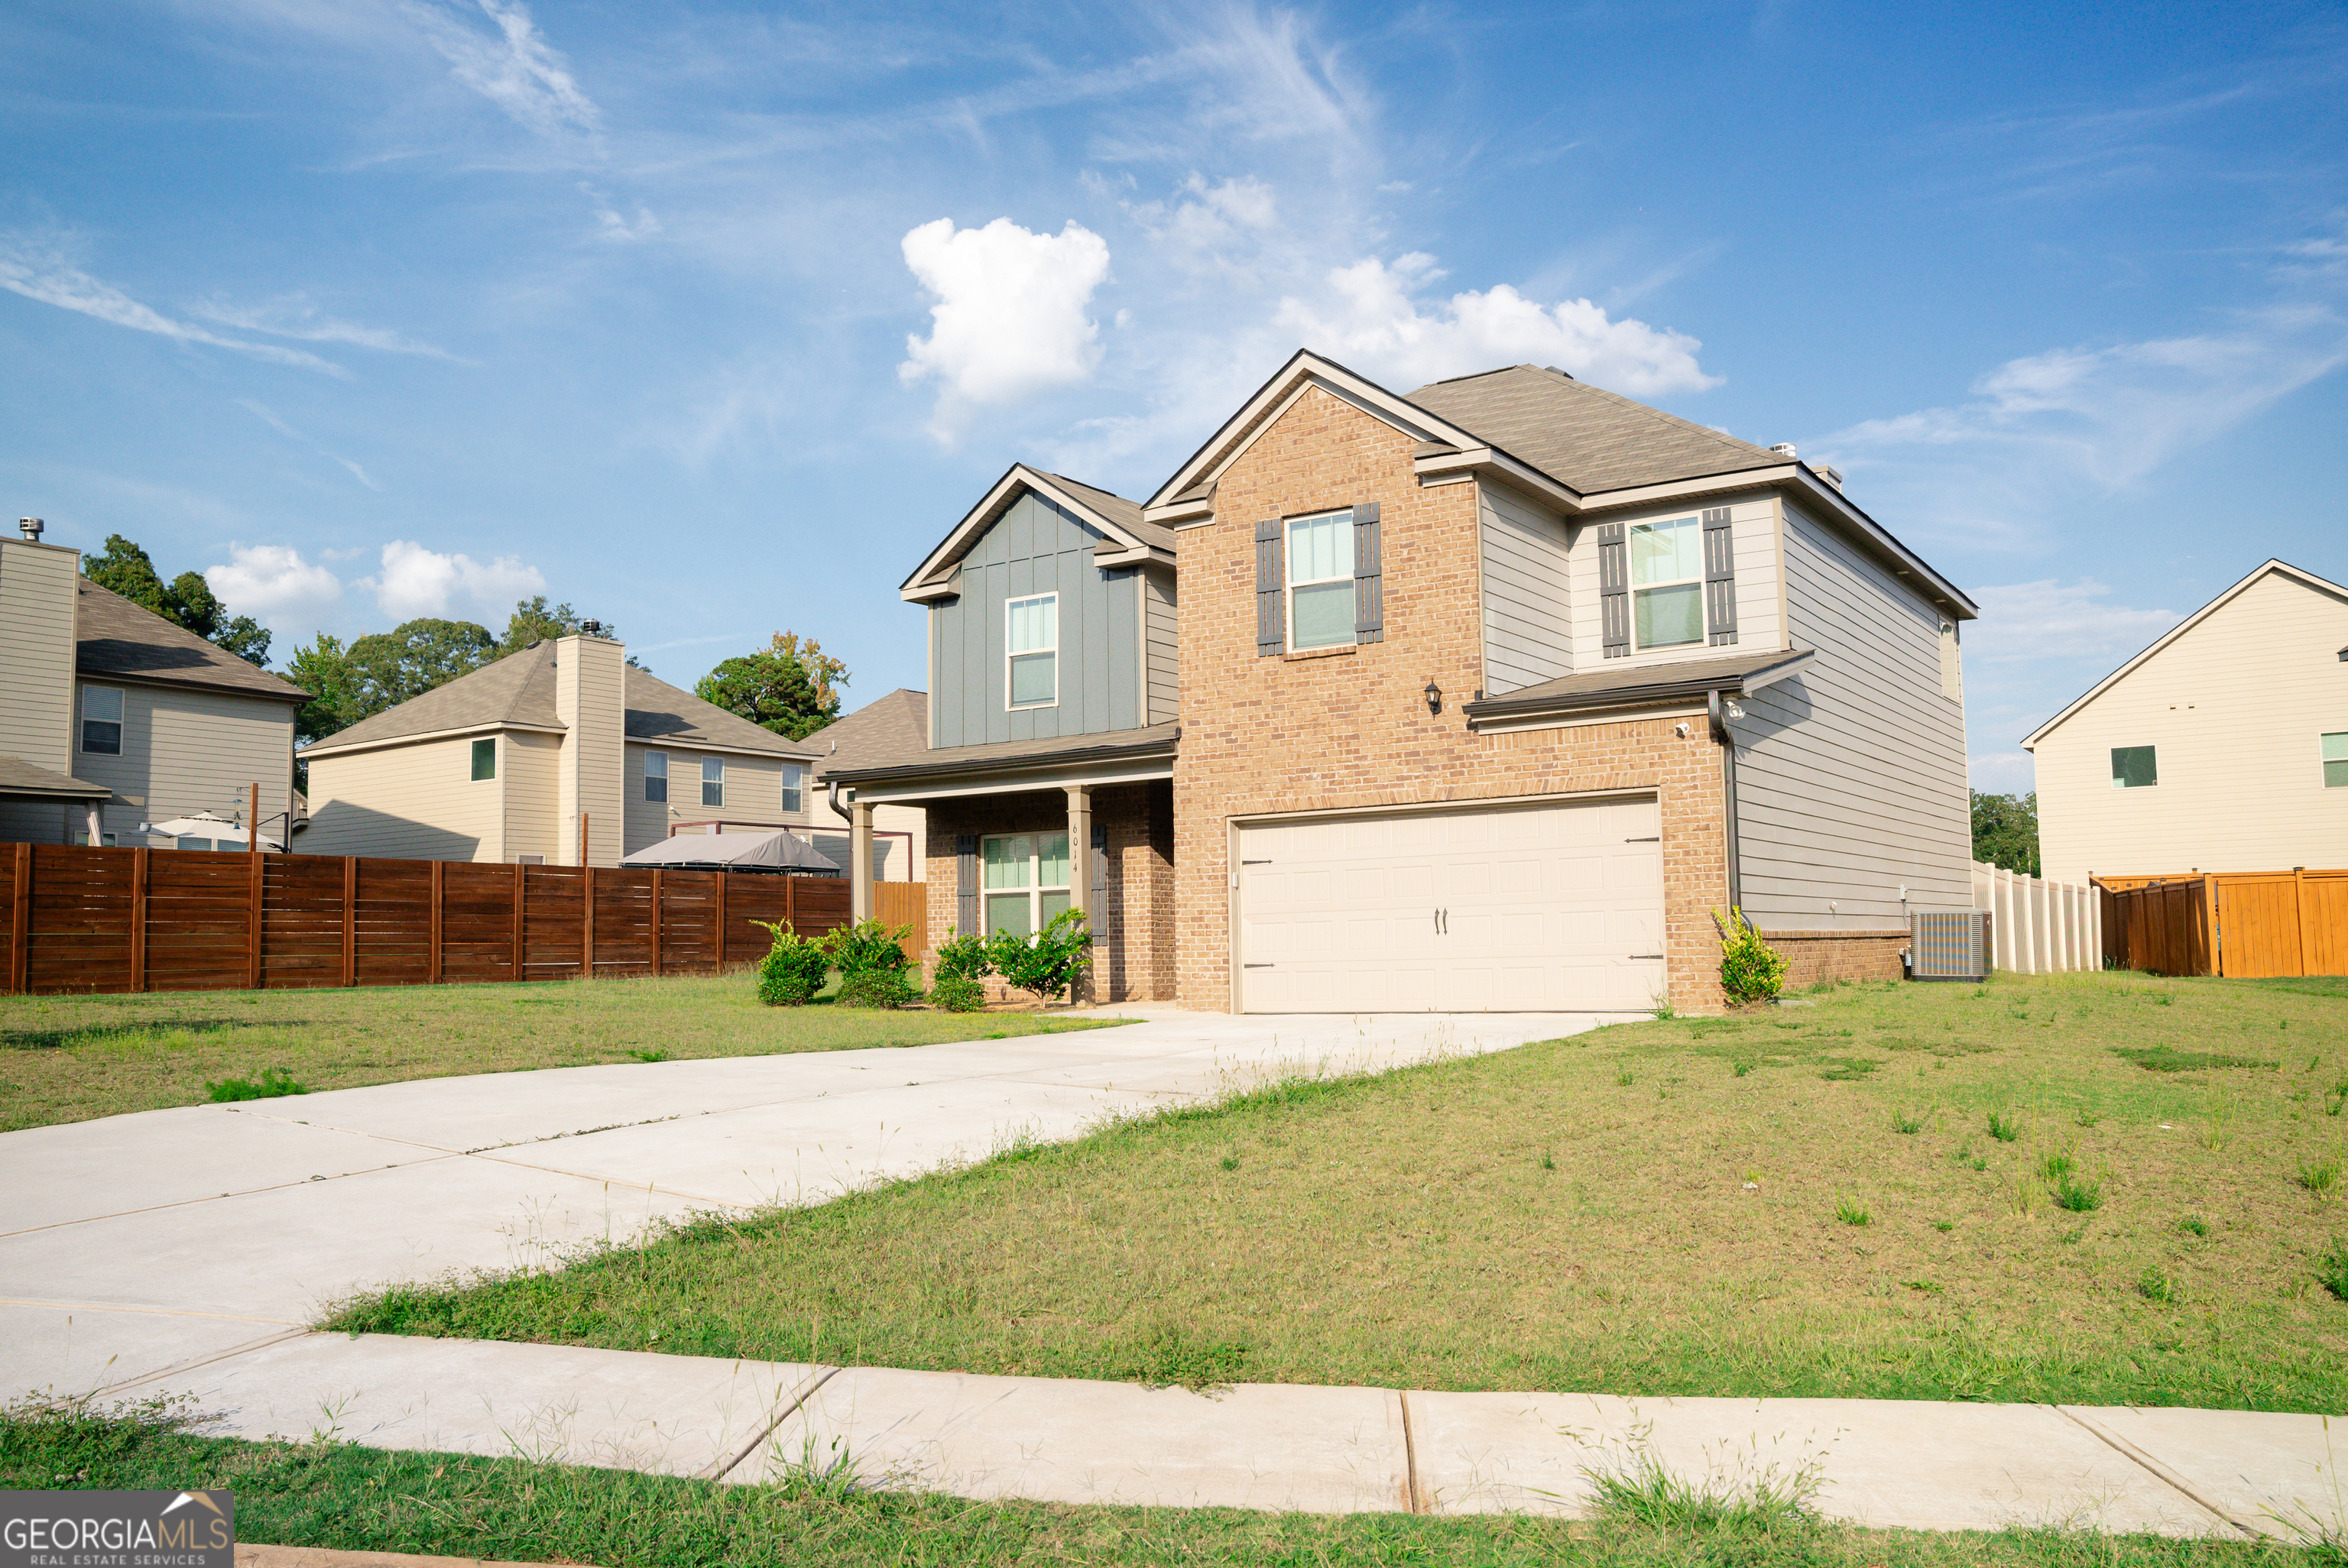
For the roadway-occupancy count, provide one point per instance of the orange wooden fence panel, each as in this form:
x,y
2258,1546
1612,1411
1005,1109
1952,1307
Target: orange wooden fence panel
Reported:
x,y
896,903
2244,925
79,919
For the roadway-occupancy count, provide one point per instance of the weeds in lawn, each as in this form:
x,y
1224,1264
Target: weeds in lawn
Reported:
x,y
2331,1270
2054,1166
1740,1068
2155,1286
1549,1162
1853,1213
649,1055
1625,1078
1923,1286
1755,1499
2339,1098
1944,1227
2321,1177
2194,1226
1230,1162
270,1083
1903,1123
829,1477
2004,1128
2086,1119
2169,1059
2024,1197
2074,1194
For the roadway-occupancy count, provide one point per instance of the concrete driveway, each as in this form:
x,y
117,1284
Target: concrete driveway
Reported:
x,y
170,1239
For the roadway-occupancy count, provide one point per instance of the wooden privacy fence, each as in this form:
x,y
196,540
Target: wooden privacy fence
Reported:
x,y
896,903
93,919
2242,925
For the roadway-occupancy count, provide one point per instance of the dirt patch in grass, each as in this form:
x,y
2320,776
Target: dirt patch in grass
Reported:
x,y
69,1058
1646,1209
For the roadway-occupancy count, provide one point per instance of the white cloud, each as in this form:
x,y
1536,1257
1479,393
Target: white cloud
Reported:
x,y
296,316
1369,320
39,267
515,68
2028,623
1210,228
274,583
2004,773
610,225
1010,319
415,581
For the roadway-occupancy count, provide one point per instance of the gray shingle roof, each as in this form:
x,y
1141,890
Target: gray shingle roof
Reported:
x,y
20,779
896,726
1125,514
1585,437
519,689
1615,683
916,760
116,637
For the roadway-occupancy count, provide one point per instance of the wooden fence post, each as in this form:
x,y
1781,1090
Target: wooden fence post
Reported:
x,y
139,919
586,922
433,961
659,913
724,881
2212,954
790,904
519,873
350,920
2306,920
20,928
254,893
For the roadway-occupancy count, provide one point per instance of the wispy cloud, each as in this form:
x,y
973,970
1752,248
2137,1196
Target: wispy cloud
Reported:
x,y
610,225
268,417
511,65
2025,623
298,317
42,267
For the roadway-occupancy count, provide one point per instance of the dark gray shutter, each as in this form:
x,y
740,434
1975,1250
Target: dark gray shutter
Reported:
x,y
1096,901
1271,625
1613,590
966,885
1369,582
1719,578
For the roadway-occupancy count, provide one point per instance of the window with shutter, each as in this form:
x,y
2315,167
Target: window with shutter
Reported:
x,y
1719,578
1096,896
1613,590
1271,623
1369,580
966,885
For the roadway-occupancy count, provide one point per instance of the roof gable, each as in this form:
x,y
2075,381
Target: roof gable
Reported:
x,y
2269,568
1585,437
1117,519
116,637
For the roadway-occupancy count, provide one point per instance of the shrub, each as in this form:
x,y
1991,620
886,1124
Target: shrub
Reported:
x,y
272,1083
963,957
1048,962
793,969
1751,971
877,989
957,993
867,947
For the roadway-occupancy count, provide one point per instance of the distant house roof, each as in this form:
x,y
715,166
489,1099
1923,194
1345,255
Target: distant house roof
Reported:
x,y
896,726
518,692
116,637
1583,436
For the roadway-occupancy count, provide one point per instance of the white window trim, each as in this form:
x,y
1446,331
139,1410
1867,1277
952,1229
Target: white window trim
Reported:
x,y
646,774
1010,706
1034,888
497,760
82,720
794,782
707,764
1630,572
2323,762
1289,583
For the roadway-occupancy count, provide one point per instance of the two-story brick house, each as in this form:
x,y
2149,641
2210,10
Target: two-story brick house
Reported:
x,y
1480,698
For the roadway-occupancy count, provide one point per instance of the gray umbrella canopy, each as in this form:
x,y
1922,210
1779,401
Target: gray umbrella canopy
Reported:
x,y
774,851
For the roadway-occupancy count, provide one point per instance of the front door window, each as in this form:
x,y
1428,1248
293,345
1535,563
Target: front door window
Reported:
x,y
1026,880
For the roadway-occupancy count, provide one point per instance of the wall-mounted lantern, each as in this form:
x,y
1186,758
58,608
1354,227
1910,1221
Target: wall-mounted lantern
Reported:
x,y
1434,698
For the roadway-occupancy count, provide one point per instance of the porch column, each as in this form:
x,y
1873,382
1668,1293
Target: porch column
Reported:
x,y
1080,846
860,857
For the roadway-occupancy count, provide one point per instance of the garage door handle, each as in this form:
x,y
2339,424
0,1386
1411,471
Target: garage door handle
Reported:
x,y
1255,966
1646,955
1658,839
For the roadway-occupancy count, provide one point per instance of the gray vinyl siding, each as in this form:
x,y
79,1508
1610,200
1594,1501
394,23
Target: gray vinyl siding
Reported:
x,y
1161,649
1528,593
1036,548
1851,776
1753,521
184,751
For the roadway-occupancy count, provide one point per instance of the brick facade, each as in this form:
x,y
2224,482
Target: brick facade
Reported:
x,y
1348,728
1812,957
1136,963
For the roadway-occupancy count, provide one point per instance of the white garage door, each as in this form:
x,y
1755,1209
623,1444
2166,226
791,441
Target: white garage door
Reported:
x,y
1520,909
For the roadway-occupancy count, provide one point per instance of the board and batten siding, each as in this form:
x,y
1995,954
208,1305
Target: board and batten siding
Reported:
x,y
1162,652
1850,775
185,752
37,677
1753,536
413,802
1036,548
1528,592
2236,709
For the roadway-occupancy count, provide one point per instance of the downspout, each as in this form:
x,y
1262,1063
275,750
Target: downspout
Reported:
x,y
838,810
1728,794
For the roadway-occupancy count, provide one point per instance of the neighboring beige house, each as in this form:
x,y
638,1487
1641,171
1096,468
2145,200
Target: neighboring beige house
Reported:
x,y
503,764
883,727
2221,747
111,717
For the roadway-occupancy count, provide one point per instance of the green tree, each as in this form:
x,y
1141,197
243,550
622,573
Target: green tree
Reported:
x,y
187,601
533,622
790,686
2006,831
323,669
411,659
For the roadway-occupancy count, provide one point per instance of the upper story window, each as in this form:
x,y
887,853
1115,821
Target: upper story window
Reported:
x,y
1032,645
1667,583
1321,581
102,721
485,758
2335,761
794,783
656,777
713,781
2134,767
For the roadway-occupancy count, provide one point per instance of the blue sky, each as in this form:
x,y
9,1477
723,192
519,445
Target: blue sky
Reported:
x,y
712,319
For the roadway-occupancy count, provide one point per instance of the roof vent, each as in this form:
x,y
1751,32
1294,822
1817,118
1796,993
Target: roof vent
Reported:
x,y
31,527
1785,449
1554,371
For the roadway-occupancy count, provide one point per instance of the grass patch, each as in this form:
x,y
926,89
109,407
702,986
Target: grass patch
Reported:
x,y
339,1496
272,1083
2169,1058
1563,1233
71,1058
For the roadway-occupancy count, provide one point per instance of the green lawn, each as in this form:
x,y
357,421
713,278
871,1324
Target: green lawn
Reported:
x,y
1860,1197
69,1058
341,1496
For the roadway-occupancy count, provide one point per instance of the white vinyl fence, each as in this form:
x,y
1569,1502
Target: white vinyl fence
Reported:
x,y
2039,927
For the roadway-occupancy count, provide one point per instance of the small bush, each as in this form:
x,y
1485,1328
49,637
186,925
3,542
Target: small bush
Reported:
x,y
2155,1286
867,947
794,968
963,957
2076,1194
2003,1128
878,988
957,993
271,1082
2319,1177
1049,962
1751,971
